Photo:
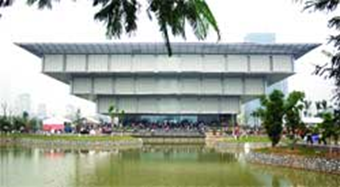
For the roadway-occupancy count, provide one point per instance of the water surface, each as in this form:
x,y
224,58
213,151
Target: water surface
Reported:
x,y
187,166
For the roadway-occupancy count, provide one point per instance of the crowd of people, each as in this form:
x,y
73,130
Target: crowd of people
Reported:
x,y
160,128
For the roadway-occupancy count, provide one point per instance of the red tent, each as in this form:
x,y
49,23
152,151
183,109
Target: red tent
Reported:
x,y
54,123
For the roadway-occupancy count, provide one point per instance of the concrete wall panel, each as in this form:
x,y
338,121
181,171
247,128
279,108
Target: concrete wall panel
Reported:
x,y
259,63
102,85
98,63
53,63
190,105
121,63
237,63
103,104
148,105
191,63
282,63
144,63
211,85
168,85
128,104
146,85
190,85
166,64
254,86
209,105
124,85
213,63
233,86
76,63
169,105
230,105
82,85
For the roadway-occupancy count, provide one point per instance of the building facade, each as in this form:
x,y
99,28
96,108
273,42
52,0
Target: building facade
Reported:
x,y
251,106
200,82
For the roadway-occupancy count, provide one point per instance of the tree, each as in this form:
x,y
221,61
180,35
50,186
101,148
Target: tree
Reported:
x,y
271,114
115,113
35,124
293,106
25,118
330,70
275,108
330,126
322,107
18,123
4,107
307,106
120,16
318,107
5,124
78,120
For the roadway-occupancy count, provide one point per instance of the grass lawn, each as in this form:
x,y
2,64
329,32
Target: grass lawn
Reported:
x,y
298,150
71,137
249,139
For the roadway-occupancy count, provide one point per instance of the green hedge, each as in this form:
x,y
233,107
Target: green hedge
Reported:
x,y
250,139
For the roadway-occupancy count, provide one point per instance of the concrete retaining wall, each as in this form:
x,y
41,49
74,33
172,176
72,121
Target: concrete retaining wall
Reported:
x,y
105,145
173,140
228,145
300,162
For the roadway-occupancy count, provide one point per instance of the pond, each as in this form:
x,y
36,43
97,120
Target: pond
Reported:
x,y
151,165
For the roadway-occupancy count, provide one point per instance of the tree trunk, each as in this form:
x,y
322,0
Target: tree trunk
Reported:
x,y
273,144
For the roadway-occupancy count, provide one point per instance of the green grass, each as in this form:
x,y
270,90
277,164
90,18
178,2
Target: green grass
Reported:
x,y
249,139
68,137
302,151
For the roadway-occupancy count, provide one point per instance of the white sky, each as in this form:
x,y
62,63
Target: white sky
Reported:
x,y
71,21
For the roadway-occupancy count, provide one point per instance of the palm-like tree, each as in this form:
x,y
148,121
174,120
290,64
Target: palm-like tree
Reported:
x,y
113,112
120,16
322,107
318,107
331,69
307,105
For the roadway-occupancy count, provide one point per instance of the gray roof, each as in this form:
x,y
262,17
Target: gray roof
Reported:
x,y
297,50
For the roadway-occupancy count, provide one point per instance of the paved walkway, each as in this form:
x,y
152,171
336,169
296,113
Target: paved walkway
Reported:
x,y
335,148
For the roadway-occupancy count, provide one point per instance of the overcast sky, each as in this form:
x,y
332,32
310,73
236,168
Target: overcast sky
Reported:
x,y
71,21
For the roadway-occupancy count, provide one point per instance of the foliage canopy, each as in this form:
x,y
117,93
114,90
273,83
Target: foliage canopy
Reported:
x,y
330,70
271,114
275,109
120,16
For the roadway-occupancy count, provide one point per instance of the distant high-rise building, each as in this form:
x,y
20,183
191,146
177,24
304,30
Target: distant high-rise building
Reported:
x,y
23,103
263,38
42,110
251,106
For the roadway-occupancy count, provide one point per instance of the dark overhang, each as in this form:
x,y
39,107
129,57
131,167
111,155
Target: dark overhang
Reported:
x,y
296,50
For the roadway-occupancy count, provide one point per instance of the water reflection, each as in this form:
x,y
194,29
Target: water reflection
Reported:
x,y
148,166
165,166
296,177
